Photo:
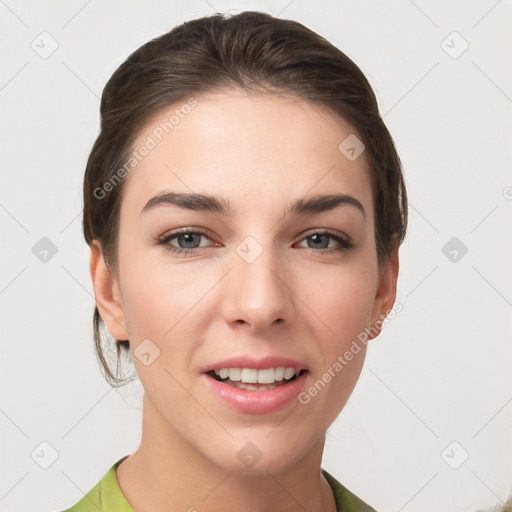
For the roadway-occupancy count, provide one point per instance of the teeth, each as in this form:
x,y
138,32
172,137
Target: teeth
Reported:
x,y
234,374
249,375
279,373
253,376
266,376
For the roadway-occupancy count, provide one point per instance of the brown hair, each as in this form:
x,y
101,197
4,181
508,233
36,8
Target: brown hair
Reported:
x,y
251,50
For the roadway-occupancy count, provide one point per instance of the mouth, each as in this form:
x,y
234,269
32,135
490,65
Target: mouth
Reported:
x,y
252,379
256,387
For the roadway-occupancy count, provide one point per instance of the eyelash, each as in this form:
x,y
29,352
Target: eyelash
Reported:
x,y
344,243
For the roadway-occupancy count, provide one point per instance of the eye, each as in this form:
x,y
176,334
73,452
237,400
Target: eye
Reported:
x,y
191,240
320,240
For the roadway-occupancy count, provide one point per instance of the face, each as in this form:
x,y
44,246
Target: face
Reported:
x,y
252,285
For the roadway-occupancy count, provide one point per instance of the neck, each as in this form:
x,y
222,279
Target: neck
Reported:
x,y
167,473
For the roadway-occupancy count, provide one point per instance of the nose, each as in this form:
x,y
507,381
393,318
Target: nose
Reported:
x,y
257,292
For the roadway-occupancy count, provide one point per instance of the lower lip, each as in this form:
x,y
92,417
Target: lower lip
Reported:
x,y
258,402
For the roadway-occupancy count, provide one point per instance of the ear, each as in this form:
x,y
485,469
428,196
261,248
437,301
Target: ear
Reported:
x,y
386,291
107,293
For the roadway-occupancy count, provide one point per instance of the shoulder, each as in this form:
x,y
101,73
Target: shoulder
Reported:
x,y
345,500
106,495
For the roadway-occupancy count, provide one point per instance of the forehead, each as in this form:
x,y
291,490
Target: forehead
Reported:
x,y
257,149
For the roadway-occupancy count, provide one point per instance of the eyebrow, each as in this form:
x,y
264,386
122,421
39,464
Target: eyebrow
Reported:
x,y
219,205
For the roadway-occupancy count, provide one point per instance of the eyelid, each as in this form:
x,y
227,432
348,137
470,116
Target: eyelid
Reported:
x,y
326,231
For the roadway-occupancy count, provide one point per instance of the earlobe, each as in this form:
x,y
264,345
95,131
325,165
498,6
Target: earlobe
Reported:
x,y
106,292
386,292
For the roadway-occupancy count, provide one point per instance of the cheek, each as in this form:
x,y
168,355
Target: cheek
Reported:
x,y
343,299
163,301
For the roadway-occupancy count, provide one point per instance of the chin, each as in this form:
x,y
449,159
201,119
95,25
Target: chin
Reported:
x,y
259,457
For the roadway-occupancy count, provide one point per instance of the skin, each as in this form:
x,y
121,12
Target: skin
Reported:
x,y
260,152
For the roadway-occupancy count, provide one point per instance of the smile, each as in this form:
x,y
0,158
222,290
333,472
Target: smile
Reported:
x,y
247,394
253,379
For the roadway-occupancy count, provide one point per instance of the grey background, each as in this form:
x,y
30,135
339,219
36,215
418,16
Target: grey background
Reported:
x,y
436,386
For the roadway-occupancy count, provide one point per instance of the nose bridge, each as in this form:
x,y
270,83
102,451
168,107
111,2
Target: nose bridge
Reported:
x,y
258,292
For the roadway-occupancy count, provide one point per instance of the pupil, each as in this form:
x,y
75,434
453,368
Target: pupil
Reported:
x,y
315,239
185,236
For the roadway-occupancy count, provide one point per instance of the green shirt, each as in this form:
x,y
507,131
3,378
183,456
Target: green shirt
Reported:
x,y
107,496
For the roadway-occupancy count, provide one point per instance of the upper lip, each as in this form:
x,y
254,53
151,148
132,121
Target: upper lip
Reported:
x,y
256,363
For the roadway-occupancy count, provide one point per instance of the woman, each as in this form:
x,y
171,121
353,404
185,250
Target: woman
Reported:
x,y
244,205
